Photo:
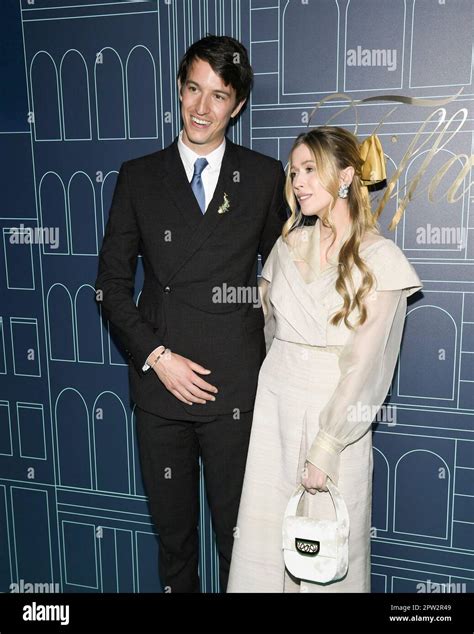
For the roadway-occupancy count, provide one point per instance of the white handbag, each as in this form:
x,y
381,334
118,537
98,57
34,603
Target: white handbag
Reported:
x,y
316,550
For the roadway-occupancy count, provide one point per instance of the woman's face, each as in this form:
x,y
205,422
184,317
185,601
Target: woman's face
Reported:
x,y
313,199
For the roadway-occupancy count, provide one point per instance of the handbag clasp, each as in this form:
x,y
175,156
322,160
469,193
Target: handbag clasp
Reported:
x,y
307,546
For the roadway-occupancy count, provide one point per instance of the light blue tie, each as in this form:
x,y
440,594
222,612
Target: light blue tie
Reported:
x,y
196,184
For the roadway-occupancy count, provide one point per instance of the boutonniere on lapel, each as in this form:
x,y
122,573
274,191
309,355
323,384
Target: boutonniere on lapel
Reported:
x,y
225,205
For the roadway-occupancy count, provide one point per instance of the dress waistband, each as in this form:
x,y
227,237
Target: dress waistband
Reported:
x,y
328,349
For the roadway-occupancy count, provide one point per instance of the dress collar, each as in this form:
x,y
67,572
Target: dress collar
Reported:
x,y
307,247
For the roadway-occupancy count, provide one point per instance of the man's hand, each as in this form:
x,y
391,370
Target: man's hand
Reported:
x,y
313,479
178,375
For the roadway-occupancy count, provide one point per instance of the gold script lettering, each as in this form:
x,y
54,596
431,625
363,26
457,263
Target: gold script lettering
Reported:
x,y
436,136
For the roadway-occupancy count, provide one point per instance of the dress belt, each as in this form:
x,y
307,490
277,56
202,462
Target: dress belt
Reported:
x,y
329,349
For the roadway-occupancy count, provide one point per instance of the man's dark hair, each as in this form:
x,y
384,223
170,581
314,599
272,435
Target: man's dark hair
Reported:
x,y
227,57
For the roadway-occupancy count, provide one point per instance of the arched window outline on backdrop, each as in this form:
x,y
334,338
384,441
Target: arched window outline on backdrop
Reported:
x,y
449,505
60,397
61,330
59,136
113,465
127,95
96,316
311,90
69,53
97,99
94,246
54,224
400,358
410,69
347,89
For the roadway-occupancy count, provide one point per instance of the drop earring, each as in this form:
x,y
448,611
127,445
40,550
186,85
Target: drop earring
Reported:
x,y
343,191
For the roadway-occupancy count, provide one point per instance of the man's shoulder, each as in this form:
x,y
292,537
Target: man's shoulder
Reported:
x,y
147,159
254,157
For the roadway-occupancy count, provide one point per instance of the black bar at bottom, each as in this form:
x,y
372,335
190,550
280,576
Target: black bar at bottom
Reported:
x,y
233,613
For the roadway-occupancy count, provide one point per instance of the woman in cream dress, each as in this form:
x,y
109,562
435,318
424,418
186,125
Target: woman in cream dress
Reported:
x,y
332,342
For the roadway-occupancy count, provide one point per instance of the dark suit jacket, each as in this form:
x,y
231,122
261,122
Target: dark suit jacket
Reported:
x,y
186,255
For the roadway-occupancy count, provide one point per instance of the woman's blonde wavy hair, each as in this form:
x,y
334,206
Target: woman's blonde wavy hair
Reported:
x,y
333,150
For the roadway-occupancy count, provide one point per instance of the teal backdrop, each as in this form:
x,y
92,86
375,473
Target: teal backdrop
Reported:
x,y
89,84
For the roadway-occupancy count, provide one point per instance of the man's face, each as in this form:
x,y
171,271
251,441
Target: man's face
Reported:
x,y
207,105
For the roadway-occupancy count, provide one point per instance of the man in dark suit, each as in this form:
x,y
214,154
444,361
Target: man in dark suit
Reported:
x,y
195,341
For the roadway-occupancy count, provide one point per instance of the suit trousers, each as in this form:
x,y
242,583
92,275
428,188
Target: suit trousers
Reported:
x,y
169,453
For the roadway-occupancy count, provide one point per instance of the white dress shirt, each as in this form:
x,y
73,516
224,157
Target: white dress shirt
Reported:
x,y
209,176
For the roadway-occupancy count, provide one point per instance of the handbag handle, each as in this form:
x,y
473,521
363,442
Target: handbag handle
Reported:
x,y
340,507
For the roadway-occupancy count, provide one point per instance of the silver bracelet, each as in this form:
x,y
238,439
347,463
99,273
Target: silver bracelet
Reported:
x,y
159,357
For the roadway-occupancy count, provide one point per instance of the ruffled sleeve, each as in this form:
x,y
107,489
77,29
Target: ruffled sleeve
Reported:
x,y
367,361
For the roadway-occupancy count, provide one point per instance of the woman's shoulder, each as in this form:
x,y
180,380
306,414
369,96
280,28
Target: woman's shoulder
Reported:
x,y
389,264
376,247
371,238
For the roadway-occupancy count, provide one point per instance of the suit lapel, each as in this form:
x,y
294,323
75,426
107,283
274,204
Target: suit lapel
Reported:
x,y
205,224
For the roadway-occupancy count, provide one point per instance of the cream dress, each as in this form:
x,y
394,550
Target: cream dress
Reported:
x,y
319,389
